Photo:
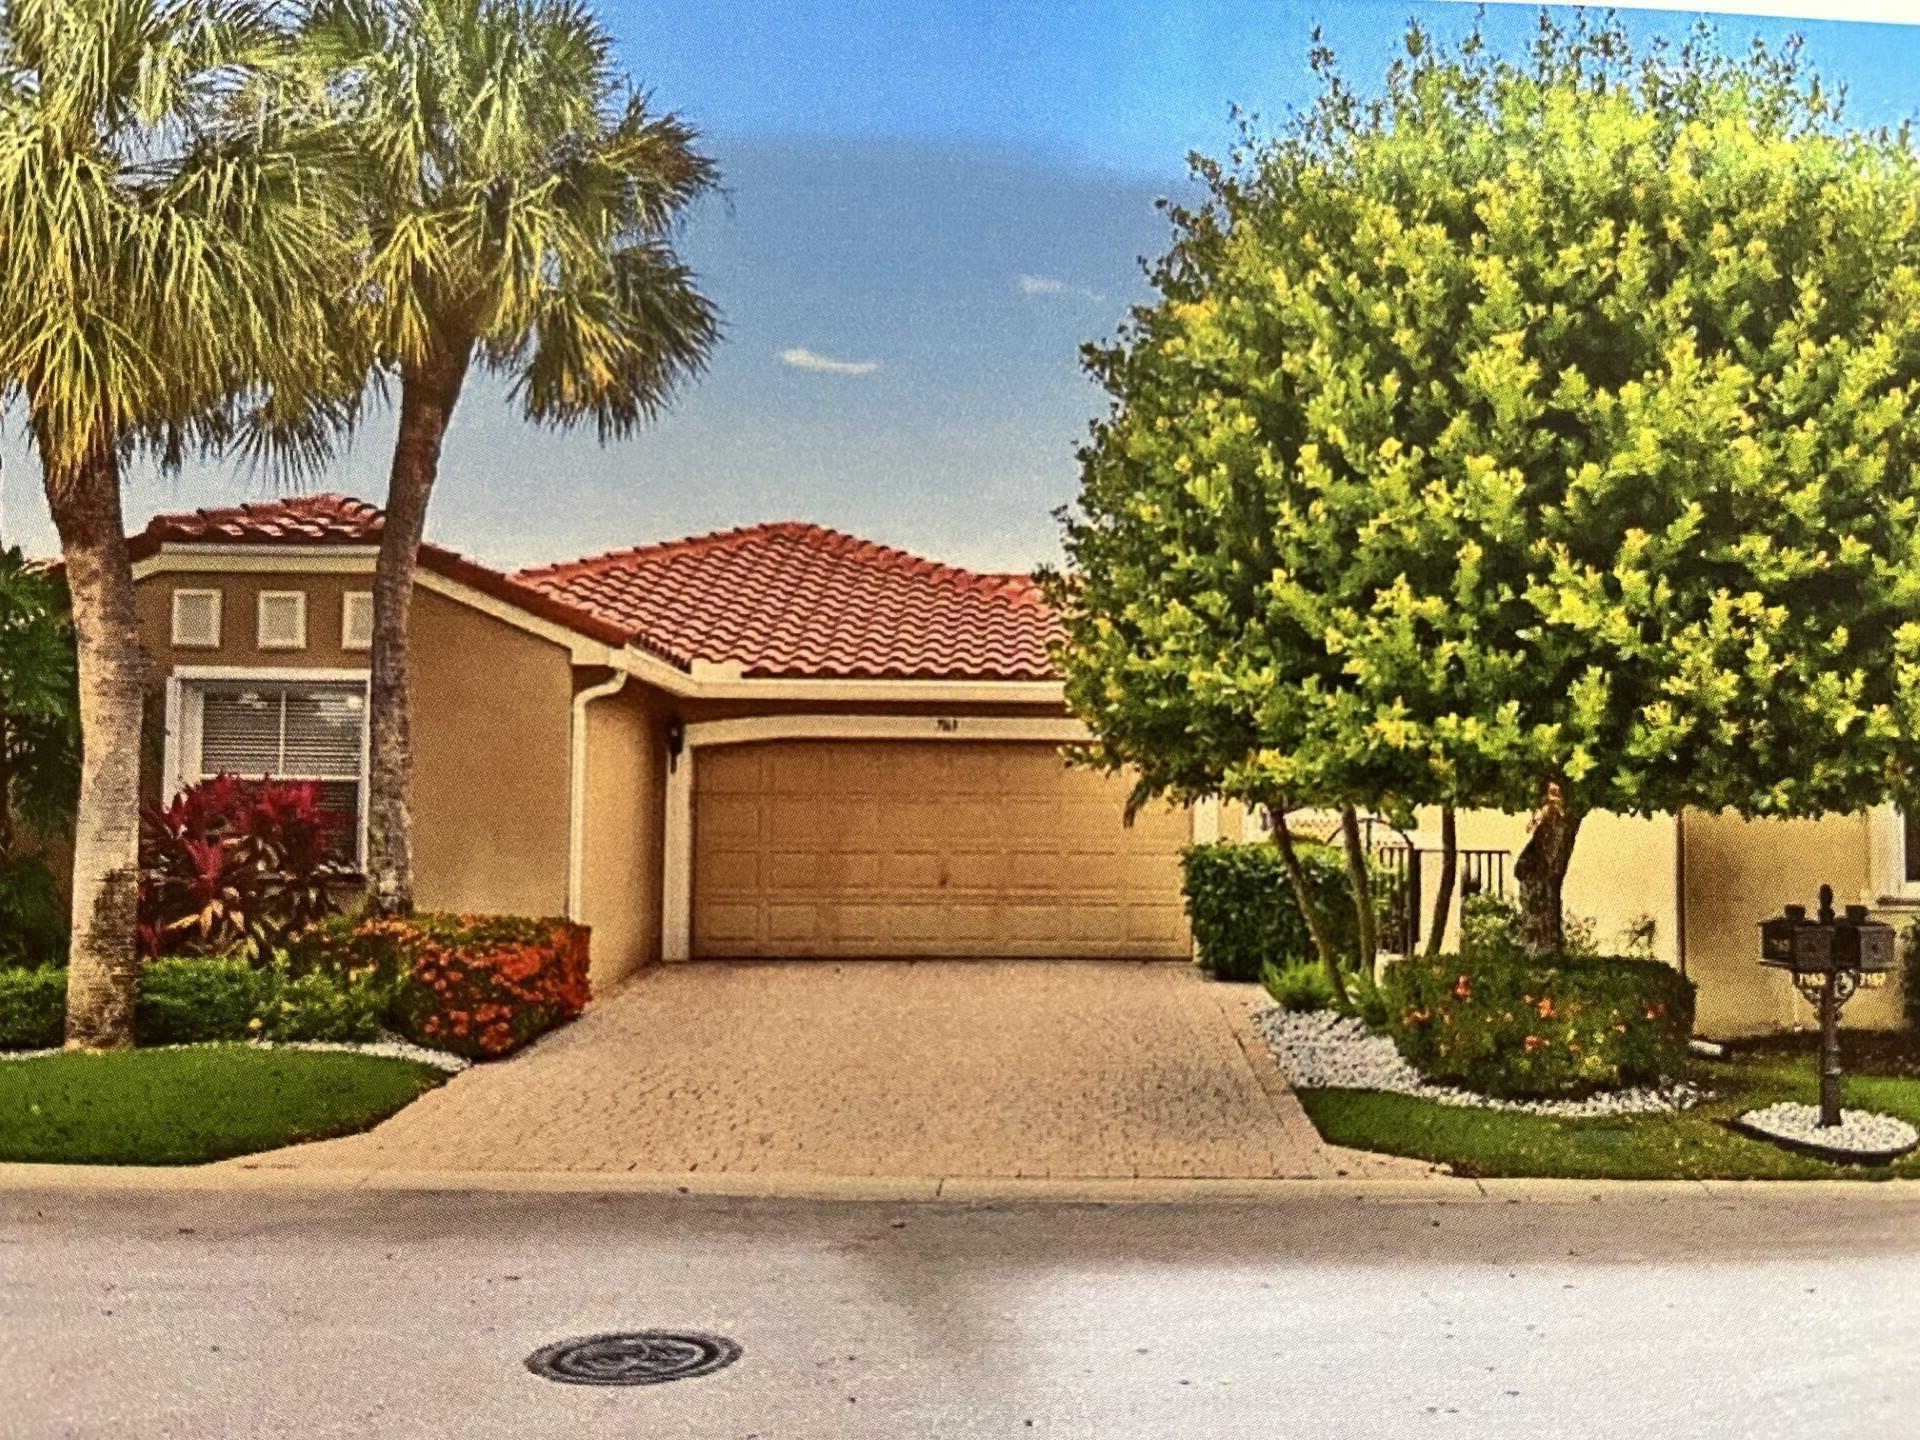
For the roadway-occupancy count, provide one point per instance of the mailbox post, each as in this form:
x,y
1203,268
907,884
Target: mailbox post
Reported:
x,y
1829,959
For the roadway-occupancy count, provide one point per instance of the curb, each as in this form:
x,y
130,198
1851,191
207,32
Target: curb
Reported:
x,y
237,1176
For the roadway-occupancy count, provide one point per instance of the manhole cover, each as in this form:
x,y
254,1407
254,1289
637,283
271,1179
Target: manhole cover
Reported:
x,y
640,1357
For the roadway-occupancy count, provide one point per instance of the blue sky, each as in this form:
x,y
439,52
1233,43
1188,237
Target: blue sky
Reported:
x,y
929,205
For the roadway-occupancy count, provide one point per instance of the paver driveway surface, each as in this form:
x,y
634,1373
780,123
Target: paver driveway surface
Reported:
x,y
1057,1069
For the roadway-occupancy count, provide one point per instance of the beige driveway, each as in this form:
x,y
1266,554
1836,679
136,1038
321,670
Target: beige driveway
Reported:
x,y
878,1068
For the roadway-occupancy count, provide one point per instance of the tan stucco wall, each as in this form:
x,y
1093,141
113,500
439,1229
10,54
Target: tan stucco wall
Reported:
x,y
491,711
621,868
1738,873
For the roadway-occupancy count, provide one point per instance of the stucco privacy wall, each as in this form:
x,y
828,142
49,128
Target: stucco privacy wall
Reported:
x,y
491,707
1741,871
1624,870
626,788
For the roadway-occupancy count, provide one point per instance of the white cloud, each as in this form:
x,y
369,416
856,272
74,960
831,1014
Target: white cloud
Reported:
x,y
803,359
1047,285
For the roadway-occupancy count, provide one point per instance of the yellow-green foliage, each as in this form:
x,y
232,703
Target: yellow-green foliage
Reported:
x,y
1551,421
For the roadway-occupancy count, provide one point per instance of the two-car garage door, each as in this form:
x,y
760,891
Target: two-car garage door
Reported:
x,y
838,848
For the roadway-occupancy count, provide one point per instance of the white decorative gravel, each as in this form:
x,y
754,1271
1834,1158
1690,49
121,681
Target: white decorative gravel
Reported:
x,y
1320,1050
1860,1132
391,1048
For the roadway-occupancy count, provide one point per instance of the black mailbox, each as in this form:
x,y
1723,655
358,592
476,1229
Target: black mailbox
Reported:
x,y
1862,944
1791,941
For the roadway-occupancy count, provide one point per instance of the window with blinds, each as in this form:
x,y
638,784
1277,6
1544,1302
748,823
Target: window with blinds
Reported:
x,y
290,732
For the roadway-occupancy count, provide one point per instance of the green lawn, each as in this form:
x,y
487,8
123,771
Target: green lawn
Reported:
x,y
197,1103
1691,1145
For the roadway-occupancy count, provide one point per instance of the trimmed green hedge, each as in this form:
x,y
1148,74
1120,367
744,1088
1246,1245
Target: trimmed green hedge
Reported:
x,y
33,1009
1517,1027
477,985
1242,908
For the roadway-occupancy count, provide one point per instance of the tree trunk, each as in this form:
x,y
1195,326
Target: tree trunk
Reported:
x,y
1303,895
1360,881
428,394
1449,875
103,971
1541,870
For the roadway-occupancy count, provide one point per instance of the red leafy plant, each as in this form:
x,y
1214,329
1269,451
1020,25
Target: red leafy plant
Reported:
x,y
235,864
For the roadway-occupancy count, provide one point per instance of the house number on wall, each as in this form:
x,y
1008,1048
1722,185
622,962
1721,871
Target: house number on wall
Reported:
x,y
946,724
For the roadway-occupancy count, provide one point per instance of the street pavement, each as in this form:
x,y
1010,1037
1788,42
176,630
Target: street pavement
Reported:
x,y
316,1311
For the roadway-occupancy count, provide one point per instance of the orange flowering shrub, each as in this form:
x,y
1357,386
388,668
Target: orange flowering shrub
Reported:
x,y
1507,1025
478,985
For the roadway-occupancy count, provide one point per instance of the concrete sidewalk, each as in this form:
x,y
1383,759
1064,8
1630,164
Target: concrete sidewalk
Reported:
x,y
922,1073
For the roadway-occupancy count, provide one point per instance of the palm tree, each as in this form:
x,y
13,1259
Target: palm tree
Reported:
x,y
517,203
164,245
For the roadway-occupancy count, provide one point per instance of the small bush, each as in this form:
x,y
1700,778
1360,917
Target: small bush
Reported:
x,y
1560,1026
234,863
317,1007
33,915
33,1008
1243,911
1366,1000
192,999
479,986
1302,985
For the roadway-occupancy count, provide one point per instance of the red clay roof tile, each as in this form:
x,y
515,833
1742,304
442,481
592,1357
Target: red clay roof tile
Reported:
x,y
791,599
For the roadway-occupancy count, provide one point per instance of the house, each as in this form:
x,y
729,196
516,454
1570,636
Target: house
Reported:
x,y
781,741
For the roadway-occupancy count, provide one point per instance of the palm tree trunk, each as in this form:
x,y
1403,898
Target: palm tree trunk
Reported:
x,y
103,976
1360,881
1309,908
1449,876
428,393
1540,870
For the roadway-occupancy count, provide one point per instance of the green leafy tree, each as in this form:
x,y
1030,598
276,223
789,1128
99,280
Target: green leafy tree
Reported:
x,y
516,202
39,754
163,246
1535,436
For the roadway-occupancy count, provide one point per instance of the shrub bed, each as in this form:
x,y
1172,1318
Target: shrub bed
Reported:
x,y
33,1008
478,986
1515,1027
1243,911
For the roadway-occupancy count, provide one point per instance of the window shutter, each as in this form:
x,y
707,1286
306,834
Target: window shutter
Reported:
x,y
196,619
240,731
324,733
283,620
356,620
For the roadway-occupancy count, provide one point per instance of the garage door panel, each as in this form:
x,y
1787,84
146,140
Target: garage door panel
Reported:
x,y
734,873
725,923
856,848
726,817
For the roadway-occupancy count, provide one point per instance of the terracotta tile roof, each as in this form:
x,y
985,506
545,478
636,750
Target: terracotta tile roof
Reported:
x,y
327,519
780,600
795,600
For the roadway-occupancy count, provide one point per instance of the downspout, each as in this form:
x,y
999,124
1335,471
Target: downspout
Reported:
x,y
577,788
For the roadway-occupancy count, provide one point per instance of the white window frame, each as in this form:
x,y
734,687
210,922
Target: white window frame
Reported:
x,y
348,600
219,631
180,763
1887,857
299,598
